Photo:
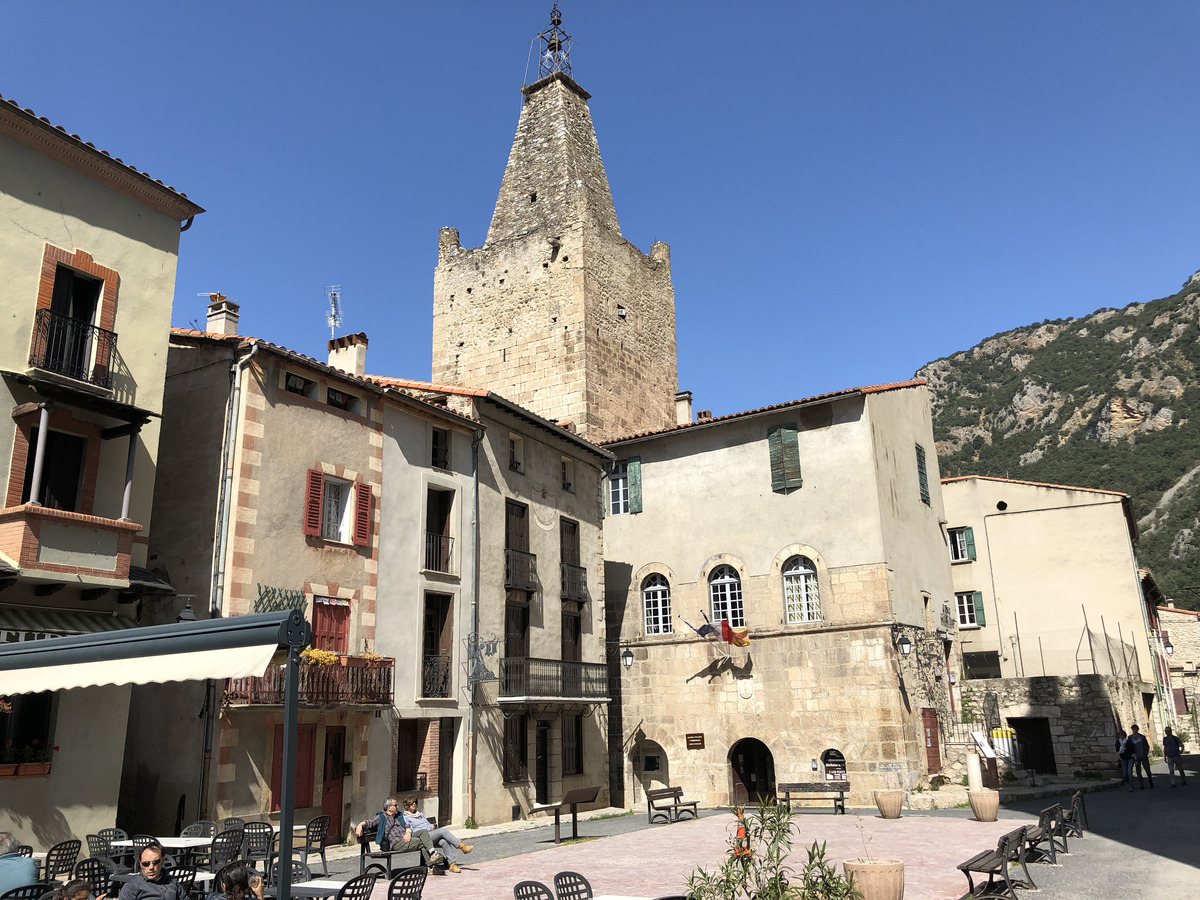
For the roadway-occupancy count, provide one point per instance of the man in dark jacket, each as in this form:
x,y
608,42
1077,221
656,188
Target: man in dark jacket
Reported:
x,y
1141,755
151,881
391,833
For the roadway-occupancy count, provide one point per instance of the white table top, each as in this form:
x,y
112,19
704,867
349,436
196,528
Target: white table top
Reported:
x,y
617,897
318,887
172,843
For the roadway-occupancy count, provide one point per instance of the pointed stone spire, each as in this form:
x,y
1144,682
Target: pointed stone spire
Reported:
x,y
554,174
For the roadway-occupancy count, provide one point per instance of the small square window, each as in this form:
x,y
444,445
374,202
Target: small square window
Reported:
x,y
967,611
341,400
651,762
441,449
296,384
516,453
962,544
618,488
568,474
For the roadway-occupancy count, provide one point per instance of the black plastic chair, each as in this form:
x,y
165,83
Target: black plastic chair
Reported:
x,y
358,888
200,828
120,856
98,846
60,859
314,842
531,890
226,848
186,876
408,884
300,872
25,850
29,891
258,841
231,822
219,878
572,886
98,871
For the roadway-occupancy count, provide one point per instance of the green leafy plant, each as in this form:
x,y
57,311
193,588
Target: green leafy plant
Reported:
x,y
316,657
470,822
615,815
1009,777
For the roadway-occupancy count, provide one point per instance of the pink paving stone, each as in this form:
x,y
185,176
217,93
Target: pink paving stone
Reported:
x,y
650,863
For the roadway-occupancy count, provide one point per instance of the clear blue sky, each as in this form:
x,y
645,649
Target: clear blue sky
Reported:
x,y
849,189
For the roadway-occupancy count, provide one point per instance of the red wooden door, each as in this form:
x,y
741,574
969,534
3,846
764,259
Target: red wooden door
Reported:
x,y
933,750
331,786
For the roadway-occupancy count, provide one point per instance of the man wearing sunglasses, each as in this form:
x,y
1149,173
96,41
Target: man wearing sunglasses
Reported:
x,y
151,881
391,833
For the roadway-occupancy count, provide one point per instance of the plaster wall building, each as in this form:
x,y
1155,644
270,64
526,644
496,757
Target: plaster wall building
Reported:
x,y
1181,627
556,311
816,526
88,247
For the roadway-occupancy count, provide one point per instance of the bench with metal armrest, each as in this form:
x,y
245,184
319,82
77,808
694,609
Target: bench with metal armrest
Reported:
x,y
397,851
823,789
994,864
668,805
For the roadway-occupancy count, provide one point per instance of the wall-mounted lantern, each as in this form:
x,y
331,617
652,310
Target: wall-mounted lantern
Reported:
x,y
627,658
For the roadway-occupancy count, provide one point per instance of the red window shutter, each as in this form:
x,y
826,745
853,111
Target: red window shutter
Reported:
x,y
362,514
313,496
306,744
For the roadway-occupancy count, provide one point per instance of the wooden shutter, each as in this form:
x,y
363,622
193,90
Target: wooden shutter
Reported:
x,y
634,474
784,449
362,514
516,527
977,601
922,475
969,541
306,747
569,541
313,497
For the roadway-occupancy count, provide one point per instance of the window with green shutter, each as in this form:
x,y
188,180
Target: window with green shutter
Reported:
x,y
922,475
635,484
784,447
977,602
970,609
962,544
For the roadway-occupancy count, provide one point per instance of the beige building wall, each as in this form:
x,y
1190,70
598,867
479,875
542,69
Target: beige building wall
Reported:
x,y
800,689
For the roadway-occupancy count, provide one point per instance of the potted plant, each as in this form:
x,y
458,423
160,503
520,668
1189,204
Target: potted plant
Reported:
x,y
8,759
877,878
35,759
315,657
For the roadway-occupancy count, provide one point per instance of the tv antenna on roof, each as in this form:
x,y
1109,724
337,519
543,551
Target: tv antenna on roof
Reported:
x,y
334,317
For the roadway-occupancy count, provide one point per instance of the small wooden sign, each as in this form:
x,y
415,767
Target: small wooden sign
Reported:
x,y
694,741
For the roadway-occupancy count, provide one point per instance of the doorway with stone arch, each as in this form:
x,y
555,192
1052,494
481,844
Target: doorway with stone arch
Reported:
x,y
752,772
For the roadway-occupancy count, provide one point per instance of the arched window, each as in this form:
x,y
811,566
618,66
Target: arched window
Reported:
x,y
656,604
725,592
800,594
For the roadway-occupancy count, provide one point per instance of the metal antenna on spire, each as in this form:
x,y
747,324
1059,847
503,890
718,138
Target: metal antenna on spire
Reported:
x,y
334,317
555,52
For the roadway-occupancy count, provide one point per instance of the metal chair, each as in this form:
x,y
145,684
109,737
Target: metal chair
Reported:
x,y
300,872
408,884
314,842
531,890
200,828
60,859
226,848
25,850
572,886
258,841
358,888
97,871
29,891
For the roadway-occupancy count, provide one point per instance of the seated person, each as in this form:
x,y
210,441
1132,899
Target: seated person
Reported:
x,y
241,883
151,881
391,833
446,842
15,871
76,889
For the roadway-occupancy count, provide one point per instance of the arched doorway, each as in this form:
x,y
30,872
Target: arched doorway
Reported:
x,y
753,770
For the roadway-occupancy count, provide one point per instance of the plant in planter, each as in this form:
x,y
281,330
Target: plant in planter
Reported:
x,y
754,866
315,657
878,878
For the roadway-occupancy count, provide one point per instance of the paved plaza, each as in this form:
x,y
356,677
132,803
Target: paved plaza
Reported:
x,y
1140,845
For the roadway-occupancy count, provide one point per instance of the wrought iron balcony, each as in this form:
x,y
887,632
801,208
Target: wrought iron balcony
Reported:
x,y
520,570
574,582
436,677
76,349
338,685
525,678
438,552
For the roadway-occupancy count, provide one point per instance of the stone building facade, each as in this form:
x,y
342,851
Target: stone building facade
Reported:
x,y
557,311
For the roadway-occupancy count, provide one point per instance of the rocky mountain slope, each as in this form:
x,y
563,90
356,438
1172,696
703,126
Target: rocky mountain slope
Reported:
x,y
1110,400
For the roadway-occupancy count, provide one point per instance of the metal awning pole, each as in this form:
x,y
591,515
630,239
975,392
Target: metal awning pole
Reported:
x,y
287,782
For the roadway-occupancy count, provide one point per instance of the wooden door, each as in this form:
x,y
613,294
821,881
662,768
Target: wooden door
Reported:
x,y
541,780
446,771
331,787
933,750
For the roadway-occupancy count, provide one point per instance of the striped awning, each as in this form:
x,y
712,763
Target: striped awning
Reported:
x,y
29,623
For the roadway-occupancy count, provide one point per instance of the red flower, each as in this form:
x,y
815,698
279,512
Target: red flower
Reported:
x,y
56,748
34,742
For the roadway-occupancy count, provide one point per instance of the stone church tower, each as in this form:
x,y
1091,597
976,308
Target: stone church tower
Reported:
x,y
556,311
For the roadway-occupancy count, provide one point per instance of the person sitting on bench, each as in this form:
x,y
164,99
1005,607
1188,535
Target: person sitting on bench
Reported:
x,y
442,838
392,833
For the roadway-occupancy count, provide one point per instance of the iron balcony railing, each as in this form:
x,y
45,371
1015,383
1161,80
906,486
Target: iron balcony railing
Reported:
x,y
368,685
520,570
72,348
435,681
522,677
438,550
574,582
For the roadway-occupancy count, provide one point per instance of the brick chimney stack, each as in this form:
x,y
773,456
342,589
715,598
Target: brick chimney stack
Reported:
x,y
349,353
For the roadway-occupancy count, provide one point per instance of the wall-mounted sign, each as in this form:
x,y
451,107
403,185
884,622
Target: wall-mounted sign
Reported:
x,y
694,741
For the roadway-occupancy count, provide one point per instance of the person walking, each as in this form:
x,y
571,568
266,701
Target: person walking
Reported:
x,y
1125,758
1173,753
1141,756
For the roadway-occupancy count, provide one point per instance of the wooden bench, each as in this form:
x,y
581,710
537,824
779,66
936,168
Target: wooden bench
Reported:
x,y
571,798
1075,821
994,864
825,789
399,851
668,804
1048,837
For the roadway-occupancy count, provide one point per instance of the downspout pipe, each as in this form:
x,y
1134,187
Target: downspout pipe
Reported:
x,y
219,553
476,440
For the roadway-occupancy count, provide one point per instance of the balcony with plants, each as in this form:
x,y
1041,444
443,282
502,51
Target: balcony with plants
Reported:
x,y
327,679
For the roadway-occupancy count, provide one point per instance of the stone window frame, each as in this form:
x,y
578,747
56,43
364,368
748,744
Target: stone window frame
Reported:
x,y
803,572
80,261
824,583
739,568
635,599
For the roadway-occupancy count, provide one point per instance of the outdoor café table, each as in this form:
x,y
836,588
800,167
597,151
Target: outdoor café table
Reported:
x,y
186,844
318,887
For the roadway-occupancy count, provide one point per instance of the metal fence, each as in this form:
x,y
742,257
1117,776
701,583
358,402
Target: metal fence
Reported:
x,y
72,348
522,676
369,685
520,570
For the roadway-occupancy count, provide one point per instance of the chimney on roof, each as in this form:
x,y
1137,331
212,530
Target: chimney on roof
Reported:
x,y
704,414
1171,604
222,315
683,407
349,353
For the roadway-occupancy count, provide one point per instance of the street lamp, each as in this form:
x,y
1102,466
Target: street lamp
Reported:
x,y
627,658
187,614
1168,647
904,645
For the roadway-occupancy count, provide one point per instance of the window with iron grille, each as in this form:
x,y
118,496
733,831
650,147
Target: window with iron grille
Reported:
x,y
656,604
516,738
801,594
572,745
725,594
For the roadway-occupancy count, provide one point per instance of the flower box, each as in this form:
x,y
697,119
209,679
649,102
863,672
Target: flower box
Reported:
x,y
33,768
7,769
